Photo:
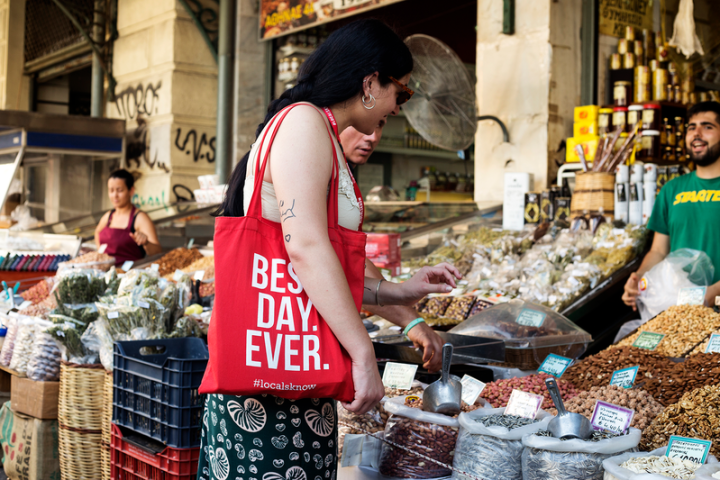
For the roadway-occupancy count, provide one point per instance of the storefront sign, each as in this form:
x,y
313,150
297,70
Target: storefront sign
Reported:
x,y
530,318
471,389
523,404
625,377
283,17
555,365
692,449
713,344
615,15
691,296
648,340
399,375
612,418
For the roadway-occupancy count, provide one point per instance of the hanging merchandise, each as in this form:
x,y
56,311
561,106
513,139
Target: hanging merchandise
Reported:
x,y
636,194
684,36
622,178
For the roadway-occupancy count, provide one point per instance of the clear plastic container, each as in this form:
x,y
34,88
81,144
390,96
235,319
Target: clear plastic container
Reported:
x,y
531,332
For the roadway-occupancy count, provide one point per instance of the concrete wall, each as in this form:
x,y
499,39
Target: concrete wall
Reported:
x,y
531,81
167,93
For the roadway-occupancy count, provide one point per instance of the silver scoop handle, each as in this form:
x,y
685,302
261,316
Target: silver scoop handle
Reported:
x,y
552,387
447,353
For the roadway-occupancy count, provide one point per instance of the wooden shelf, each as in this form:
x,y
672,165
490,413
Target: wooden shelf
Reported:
x,y
418,152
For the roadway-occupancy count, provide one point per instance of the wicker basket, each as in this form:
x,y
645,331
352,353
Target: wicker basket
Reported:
x,y
81,406
593,191
107,413
105,460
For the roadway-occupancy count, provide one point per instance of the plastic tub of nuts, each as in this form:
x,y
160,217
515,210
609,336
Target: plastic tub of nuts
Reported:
x,y
531,332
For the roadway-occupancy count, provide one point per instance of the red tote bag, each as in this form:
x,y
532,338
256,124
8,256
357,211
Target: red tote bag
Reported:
x,y
266,337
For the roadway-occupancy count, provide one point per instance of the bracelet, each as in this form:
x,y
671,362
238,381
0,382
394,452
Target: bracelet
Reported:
x,y
377,289
413,324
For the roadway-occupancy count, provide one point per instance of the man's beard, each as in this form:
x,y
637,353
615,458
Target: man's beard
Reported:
x,y
710,156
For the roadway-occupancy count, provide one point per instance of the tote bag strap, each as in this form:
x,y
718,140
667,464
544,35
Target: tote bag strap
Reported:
x,y
255,207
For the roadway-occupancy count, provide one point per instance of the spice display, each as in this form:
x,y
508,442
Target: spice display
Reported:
x,y
433,440
207,264
460,307
177,259
44,363
696,415
100,261
645,406
418,403
596,436
669,467
394,392
508,421
597,370
80,286
498,392
684,326
696,371
37,310
436,306
38,292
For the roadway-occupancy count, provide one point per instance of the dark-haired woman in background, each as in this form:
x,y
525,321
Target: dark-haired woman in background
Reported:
x,y
356,78
128,233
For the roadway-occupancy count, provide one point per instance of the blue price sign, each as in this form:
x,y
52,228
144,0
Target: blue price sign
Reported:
x,y
692,449
555,365
530,318
624,378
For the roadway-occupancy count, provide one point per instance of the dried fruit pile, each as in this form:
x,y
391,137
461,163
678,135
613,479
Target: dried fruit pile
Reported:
x,y
695,372
498,392
177,259
597,370
696,415
684,326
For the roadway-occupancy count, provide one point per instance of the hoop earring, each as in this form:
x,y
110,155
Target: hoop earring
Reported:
x,y
365,102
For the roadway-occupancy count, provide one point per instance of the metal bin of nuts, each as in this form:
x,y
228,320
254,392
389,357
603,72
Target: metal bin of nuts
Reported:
x,y
531,332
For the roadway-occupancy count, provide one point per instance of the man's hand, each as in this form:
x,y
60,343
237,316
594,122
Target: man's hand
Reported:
x,y
631,291
425,337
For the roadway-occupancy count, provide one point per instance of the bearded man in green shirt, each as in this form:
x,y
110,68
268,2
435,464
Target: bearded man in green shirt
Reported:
x,y
687,210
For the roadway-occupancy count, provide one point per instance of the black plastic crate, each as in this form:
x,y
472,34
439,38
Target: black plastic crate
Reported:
x,y
156,388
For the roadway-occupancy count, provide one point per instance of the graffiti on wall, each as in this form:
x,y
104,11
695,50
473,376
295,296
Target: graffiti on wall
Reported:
x,y
147,202
139,100
195,147
138,152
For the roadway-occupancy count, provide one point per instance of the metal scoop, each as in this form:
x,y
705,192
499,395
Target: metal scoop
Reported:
x,y
444,396
566,424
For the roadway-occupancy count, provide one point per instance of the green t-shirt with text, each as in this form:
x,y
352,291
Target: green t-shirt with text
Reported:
x,y
687,209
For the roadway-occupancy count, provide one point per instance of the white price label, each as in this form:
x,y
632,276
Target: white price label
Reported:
x,y
713,344
178,275
112,314
399,375
684,448
624,378
692,296
612,418
555,365
143,304
523,404
530,318
199,275
155,267
127,265
191,243
24,305
102,248
471,389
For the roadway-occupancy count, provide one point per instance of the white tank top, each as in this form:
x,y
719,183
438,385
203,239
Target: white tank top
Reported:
x,y
348,206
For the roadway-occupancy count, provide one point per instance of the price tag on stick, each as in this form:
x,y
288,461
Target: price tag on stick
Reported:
x,y
713,344
199,275
624,378
692,296
471,389
555,365
692,449
523,404
612,418
648,340
399,375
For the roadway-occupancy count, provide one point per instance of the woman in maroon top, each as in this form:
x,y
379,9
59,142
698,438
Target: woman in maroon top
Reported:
x,y
128,233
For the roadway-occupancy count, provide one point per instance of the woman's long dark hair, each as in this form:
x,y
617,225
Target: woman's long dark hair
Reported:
x,y
333,74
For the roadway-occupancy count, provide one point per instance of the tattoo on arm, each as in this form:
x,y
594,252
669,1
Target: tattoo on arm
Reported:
x,y
286,214
287,238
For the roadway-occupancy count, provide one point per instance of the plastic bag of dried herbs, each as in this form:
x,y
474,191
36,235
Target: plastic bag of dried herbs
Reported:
x,y
97,339
85,313
67,334
614,470
125,317
138,280
490,445
112,280
548,458
430,434
79,286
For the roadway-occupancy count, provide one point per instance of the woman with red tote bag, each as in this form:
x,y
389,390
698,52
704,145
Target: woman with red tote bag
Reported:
x,y
286,339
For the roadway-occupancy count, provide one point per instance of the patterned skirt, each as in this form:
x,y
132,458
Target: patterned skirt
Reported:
x,y
268,438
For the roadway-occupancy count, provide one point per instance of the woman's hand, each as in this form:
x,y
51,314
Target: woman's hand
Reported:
x,y
425,337
438,279
631,292
369,388
140,238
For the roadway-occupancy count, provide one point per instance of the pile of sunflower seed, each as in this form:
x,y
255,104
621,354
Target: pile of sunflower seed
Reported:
x,y
669,467
596,436
510,422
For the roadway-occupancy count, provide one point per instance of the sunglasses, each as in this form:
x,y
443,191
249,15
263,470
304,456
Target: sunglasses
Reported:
x,y
406,93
